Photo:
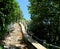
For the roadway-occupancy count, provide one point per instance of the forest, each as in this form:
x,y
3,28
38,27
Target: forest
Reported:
x,y
45,20
44,23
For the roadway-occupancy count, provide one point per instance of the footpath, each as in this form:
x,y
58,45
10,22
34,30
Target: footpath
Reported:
x,y
15,38
19,39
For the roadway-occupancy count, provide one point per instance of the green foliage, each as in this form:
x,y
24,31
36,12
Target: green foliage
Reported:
x,y
1,47
9,12
45,17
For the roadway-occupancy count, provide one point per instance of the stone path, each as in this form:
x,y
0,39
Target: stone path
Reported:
x,y
15,38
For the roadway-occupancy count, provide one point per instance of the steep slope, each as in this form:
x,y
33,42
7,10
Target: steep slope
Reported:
x,y
15,38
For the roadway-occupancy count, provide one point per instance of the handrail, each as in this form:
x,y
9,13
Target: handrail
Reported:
x,y
44,42
53,45
32,41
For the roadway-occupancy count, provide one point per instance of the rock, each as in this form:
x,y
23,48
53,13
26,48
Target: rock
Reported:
x,y
15,38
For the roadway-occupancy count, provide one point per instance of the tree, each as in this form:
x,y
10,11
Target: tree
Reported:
x,y
45,20
9,12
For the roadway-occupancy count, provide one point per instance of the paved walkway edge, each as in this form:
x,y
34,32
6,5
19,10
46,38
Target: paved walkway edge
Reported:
x,y
29,38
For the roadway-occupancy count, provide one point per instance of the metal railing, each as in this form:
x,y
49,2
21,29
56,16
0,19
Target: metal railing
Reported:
x,y
44,43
